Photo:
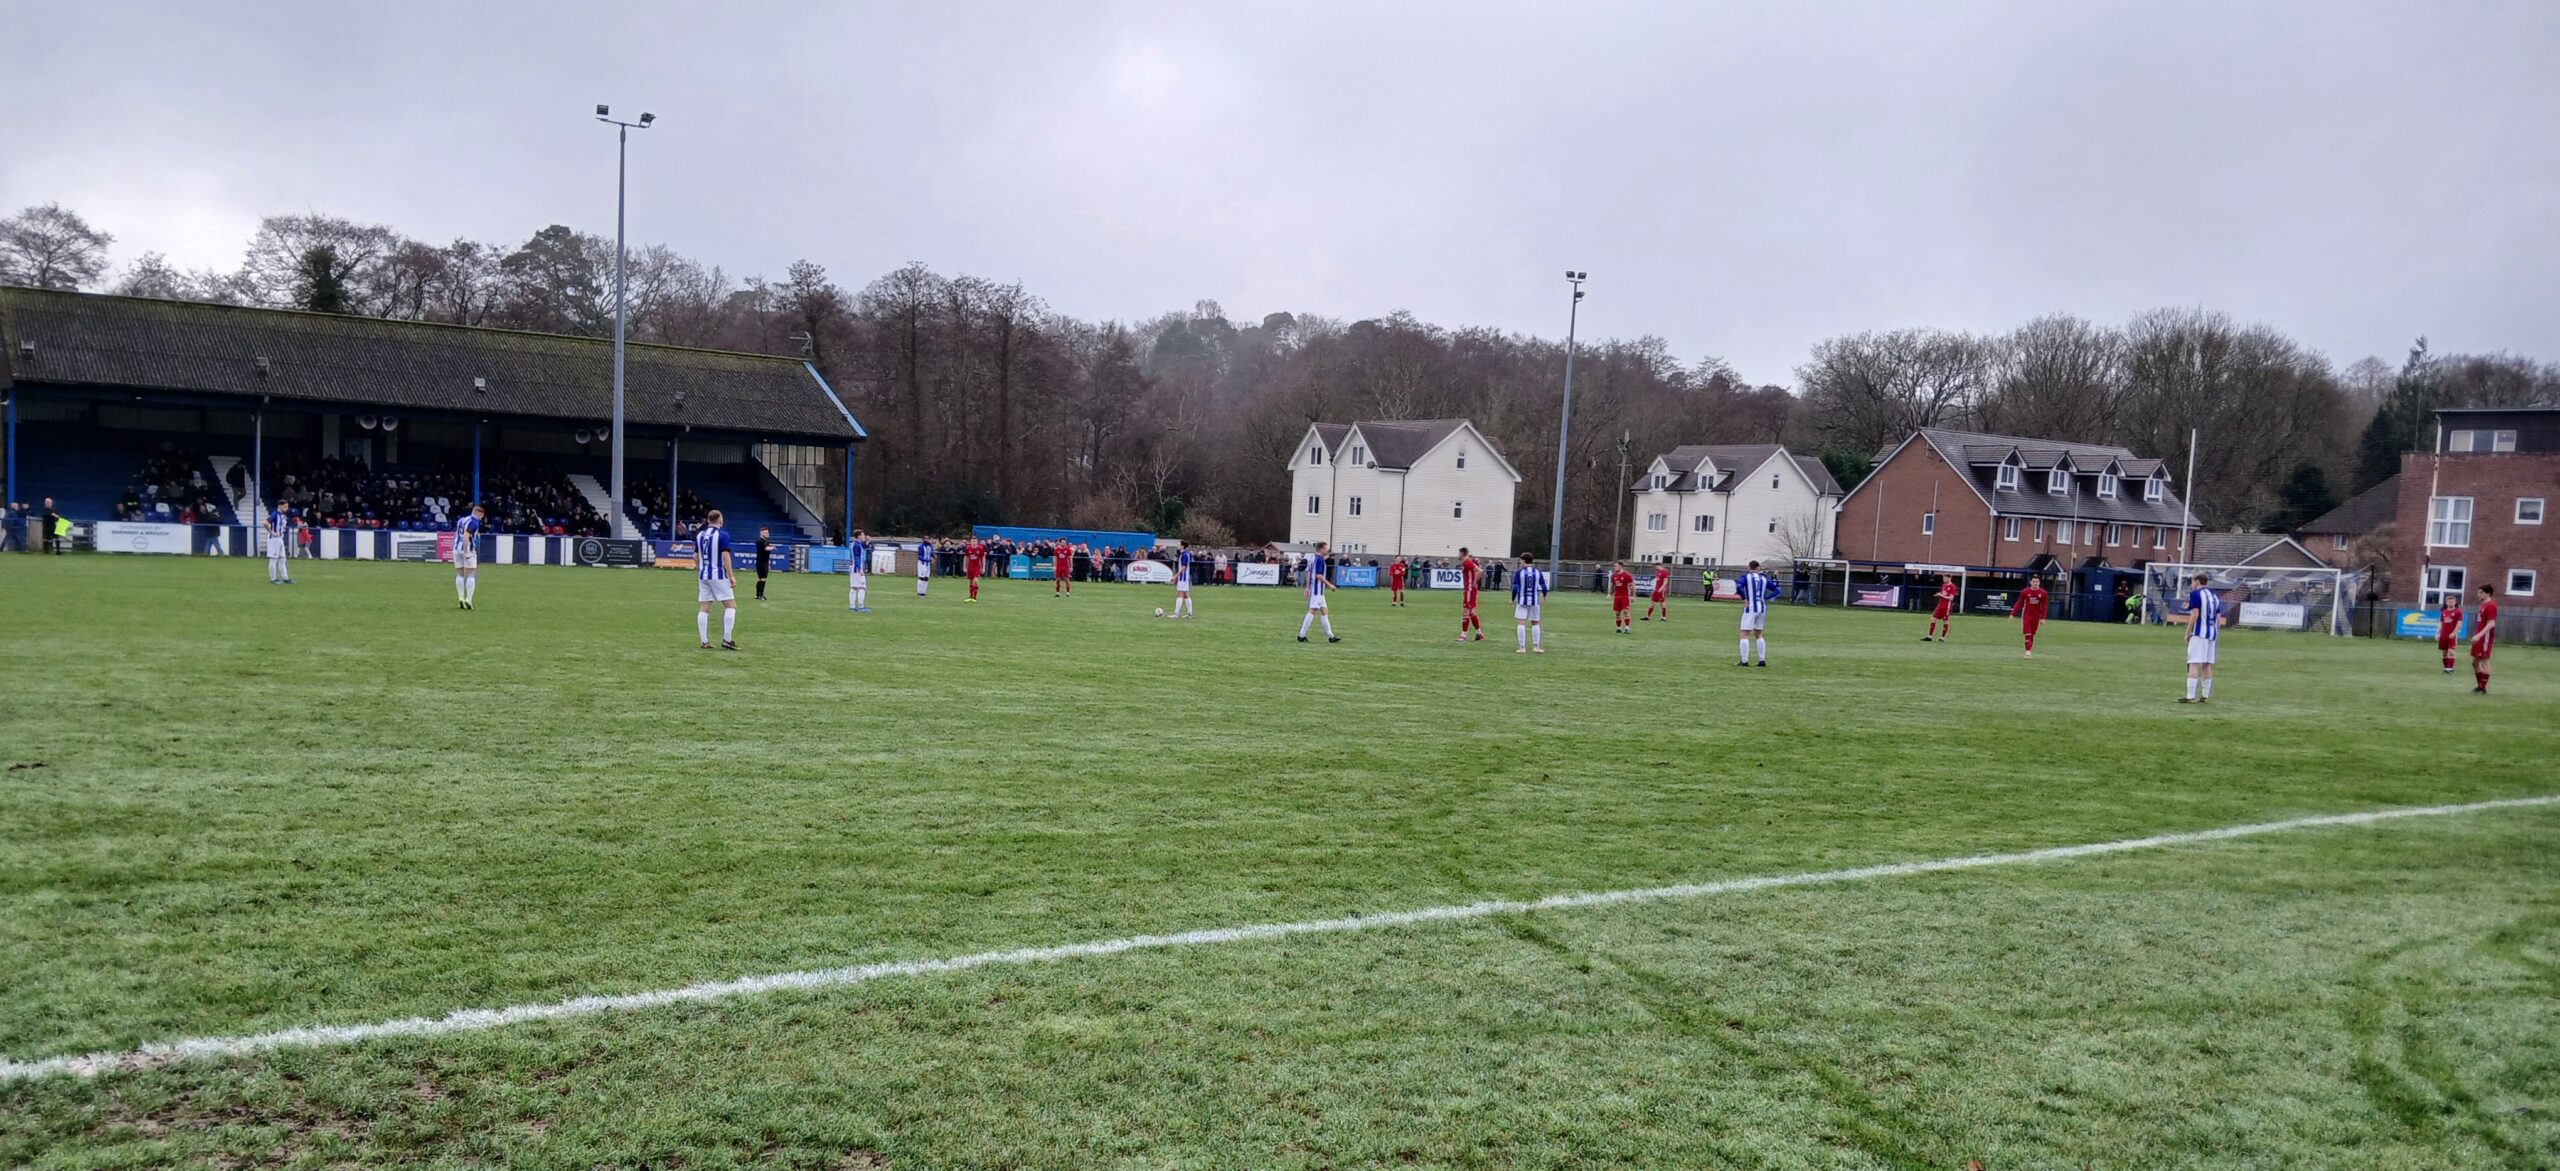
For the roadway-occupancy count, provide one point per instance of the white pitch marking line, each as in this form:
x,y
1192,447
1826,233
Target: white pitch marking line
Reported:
x,y
474,1020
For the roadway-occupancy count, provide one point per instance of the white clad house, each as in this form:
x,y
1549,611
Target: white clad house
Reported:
x,y
1728,504
1401,488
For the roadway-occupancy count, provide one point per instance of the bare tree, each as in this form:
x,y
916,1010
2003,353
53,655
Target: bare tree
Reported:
x,y
277,271
1805,535
49,246
1867,391
150,275
2057,377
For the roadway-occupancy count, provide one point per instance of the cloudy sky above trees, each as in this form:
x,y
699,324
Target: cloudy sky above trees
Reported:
x,y
1740,179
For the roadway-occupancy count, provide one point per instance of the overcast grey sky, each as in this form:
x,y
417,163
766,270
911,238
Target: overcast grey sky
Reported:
x,y
1740,179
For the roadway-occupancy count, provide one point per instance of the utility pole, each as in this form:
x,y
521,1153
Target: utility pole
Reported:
x,y
1625,438
1564,427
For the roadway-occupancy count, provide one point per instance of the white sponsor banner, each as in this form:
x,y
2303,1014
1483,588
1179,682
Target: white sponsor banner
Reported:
x,y
884,559
1257,574
120,536
1150,573
2287,615
1448,579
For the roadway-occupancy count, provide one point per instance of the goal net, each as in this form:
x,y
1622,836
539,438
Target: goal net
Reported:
x,y
2264,597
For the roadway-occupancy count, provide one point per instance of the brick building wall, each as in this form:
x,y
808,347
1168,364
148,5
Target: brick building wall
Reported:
x,y
2498,544
1900,488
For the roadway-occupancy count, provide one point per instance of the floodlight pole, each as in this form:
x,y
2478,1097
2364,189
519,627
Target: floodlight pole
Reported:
x,y
1564,425
621,296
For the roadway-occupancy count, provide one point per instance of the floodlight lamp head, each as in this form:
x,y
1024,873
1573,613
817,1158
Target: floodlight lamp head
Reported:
x,y
603,110
647,118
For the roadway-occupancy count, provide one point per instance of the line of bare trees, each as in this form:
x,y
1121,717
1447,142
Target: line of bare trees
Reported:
x,y
986,405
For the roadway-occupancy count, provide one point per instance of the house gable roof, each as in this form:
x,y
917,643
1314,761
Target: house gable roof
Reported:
x,y
2369,510
2075,459
96,340
2268,549
1728,461
1397,444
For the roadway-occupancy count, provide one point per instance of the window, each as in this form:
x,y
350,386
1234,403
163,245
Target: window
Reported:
x,y
2009,529
1315,505
2062,531
2472,441
2008,477
2444,584
1462,457
1702,524
2503,441
2152,488
2520,582
1655,522
1315,455
2057,482
2039,532
1773,524
2529,510
2449,521
2115,535
1660,482
2160,538
2107,488
2458,440
1928,523
1355,506
1773,481
2338,541
1359,456
1457,510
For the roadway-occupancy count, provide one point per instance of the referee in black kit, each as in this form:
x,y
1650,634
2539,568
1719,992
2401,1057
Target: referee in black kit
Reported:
x,y
764,559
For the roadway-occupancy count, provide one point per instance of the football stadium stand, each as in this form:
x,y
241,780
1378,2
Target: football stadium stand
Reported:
x,y
135,409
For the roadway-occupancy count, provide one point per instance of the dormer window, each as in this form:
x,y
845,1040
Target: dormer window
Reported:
x,y
2058,482
1359,457
1659,482
2107,485
2151,489
2008,477
1315,455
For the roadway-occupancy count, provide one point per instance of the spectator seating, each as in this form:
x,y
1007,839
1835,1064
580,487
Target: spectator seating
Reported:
x,y
733,488
93,475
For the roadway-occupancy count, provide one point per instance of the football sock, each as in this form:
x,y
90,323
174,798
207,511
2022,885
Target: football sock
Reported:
x,y
1522,630
460,594
2448,660
702,625
2483,678
470,587
1537,636
1328,624
728,624
1306,622
2208,688
1761,645
2191,687
1745,652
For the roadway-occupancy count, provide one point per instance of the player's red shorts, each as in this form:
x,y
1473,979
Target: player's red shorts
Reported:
x,y
1940,613
1621,601
2444,642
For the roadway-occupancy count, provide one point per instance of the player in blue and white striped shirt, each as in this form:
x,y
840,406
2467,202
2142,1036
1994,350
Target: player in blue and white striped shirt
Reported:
x,y
1757,590
1529,587
857,563
2205,620
466,555
1318,582
1182,584
279,530
715,567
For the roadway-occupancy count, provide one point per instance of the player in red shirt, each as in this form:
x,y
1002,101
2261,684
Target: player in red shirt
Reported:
x,y
973,562
2449,629
2029,610
2484,638
1942,620
1661,596
1471,580
1062,557
1622,597
1395,582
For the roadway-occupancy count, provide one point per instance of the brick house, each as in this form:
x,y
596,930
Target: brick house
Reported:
x,y
2335,535
2476,509
2004,501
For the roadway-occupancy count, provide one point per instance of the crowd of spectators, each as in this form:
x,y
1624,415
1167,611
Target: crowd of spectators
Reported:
x,y
170,488
649,510
343,494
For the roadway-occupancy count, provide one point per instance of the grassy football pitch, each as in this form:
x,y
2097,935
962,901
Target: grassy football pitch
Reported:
x,y
230,808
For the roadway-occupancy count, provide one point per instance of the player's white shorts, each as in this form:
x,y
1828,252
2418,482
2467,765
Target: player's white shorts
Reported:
x,y
1315,601
924,573
1759,621
861,581
1524,613
466,557
275,546
1182,585
2199,650
717,590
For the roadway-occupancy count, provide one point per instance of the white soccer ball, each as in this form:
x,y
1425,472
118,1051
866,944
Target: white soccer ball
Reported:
x,y
1159,611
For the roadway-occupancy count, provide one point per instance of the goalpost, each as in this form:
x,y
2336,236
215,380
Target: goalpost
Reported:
x,y
2264,597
